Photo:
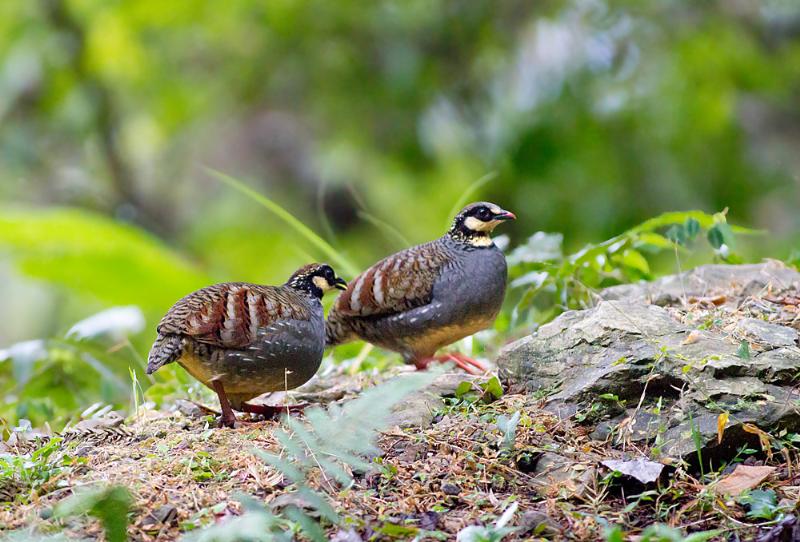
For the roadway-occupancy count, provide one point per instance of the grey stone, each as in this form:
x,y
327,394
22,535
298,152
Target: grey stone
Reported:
x,y
766,334
419,409
706,281
538,523
602,362
555,473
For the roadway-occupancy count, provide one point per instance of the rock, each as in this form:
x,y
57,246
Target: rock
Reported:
x,y
598,364
707,281
557,474
419,408
450,489
765,333
538,523
189,409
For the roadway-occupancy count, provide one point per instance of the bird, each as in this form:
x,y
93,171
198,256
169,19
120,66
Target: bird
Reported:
x,y
428,296
243,340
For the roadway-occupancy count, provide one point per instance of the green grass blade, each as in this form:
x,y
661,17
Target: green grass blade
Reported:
x,y
331,253
389,231
467,195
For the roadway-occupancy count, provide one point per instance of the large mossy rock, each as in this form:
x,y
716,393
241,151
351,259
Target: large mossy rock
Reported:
x,y
665,362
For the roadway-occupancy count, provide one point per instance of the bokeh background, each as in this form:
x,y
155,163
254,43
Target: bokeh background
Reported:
x,y
368,122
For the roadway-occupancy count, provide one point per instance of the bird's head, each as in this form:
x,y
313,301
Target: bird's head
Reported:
x,y
316,279
476,221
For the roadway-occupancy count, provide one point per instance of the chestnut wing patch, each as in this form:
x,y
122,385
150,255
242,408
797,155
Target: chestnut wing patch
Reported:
x,y
230,315
395,284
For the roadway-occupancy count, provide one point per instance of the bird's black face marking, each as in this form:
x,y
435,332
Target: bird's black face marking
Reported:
x,y
316,279
476,221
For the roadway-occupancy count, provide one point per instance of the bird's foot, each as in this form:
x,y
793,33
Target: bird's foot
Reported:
x,y
228,418
272,411
470,365
228,421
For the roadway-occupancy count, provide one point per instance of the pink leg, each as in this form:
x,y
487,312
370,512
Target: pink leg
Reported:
x,y
469,365
482,367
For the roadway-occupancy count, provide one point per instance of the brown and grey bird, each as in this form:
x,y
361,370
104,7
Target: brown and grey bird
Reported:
x,y
243,340
428,296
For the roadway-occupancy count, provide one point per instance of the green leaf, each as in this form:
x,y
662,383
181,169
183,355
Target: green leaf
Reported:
x,y
634,259
763,503
677,234
110,505
743,352
307,524
692,228
493,388
463,388
89,253
721,234
614,534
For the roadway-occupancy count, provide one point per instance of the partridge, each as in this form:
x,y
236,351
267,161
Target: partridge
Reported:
x,y
243,340
428,296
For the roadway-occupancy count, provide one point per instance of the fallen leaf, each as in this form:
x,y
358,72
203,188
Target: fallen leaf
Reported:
x,y
743,478
641,469
722,421
763,438
692,338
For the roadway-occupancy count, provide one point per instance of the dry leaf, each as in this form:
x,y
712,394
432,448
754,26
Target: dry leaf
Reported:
x,y
742,479
722,421
763,438
692,338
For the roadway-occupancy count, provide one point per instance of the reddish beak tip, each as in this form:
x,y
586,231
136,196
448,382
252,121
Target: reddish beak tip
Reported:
x,y
508,215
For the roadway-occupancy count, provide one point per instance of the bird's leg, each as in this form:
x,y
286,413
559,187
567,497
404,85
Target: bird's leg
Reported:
x,y
469,365
482,367
228,418
272,411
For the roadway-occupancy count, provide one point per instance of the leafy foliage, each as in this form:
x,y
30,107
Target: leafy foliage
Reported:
x,y
552,282
26,474
110,505
336,441
492,533
94,255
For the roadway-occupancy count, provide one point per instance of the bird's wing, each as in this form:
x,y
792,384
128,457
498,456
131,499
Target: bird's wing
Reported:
x,y
230,315
395,284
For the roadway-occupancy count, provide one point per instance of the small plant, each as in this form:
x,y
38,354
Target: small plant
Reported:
x,y
336,442
508,426
555,282
110,505
761,503
487,392
26,474
492,533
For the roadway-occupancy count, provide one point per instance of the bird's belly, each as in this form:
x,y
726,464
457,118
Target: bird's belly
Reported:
x,y
245,375
434,336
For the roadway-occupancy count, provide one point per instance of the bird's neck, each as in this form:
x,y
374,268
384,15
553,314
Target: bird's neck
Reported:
x,y
305,285
472,238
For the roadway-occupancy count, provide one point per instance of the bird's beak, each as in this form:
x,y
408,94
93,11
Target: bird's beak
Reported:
x,y
505,215
340,284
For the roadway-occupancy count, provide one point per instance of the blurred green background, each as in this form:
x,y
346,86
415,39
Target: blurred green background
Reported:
x,y
367,121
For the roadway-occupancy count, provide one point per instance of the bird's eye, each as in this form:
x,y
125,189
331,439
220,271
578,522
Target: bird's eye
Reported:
x,y
484,214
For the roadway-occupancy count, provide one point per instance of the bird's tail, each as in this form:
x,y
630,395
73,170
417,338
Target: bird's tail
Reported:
x,y
166,349
337,332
